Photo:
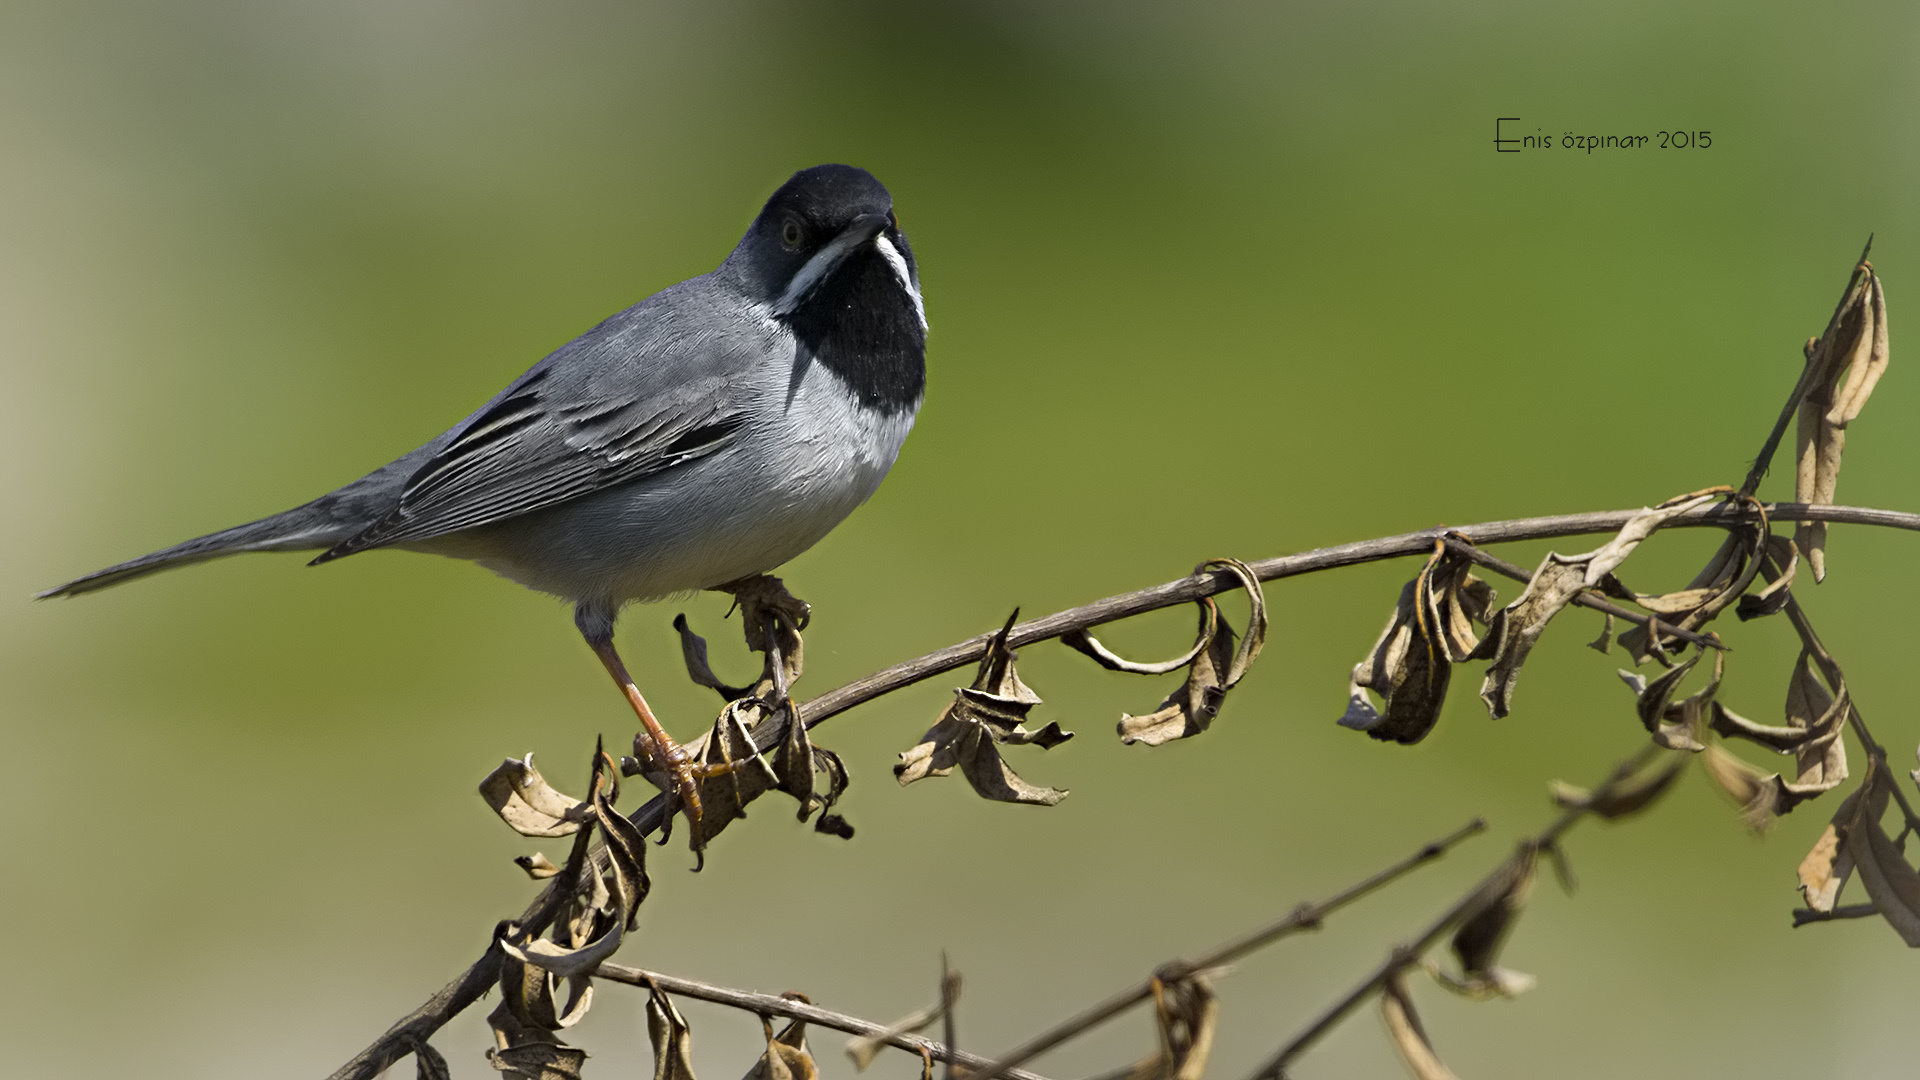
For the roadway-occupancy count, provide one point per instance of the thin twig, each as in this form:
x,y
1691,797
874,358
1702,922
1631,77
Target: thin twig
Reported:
x,y
769,1005
475,981
1405,956
1307,916
1803,916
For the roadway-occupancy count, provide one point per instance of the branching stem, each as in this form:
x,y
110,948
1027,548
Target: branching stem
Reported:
x,y
1406,956
1307,916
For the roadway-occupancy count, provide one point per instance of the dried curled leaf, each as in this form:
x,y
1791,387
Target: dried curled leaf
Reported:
x,y
1484,933
970,731
1625,798
528,804
1890,880
1854,346
428,1064
672,1038
1409,1035
531,1052
1515,628
537,866
1431,629
1675,724
786,1056
1186,1013
1816,718
1214,665
1781,562
1723,581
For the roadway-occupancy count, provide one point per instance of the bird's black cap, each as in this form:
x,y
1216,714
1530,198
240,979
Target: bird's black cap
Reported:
x,y
827,256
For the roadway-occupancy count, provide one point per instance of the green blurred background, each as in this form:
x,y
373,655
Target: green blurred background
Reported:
x,y
1204,279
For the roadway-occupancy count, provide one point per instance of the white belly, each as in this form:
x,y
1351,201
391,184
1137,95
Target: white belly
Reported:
x,y
782,484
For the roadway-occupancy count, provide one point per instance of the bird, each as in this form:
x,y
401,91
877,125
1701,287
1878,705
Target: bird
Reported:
x,y
703,436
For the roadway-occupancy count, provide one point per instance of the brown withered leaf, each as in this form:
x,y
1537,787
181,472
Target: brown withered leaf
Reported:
x,y
672,1038
1675,724
1816,718
1484,933
1854,345
971,729
795,764
693,652
1890,880
1408,1034
729,745
528,804
1825,870
1216,666
1628,797
1718,585
786,1056
428,1064
1186,1013
528,1051
1781,562
540,1061
1515,628
1431,629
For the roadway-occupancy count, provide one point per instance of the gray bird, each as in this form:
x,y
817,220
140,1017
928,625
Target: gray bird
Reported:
x,y
709,433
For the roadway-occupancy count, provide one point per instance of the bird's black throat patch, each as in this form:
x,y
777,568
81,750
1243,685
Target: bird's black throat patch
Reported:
x,y
860,324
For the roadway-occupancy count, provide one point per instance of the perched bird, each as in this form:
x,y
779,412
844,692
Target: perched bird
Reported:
x,y
709,433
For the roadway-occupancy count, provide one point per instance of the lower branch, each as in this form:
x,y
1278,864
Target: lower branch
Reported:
x,y
769,1005
1406,956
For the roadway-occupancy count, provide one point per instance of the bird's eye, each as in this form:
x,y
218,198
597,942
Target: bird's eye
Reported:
x,y
792,233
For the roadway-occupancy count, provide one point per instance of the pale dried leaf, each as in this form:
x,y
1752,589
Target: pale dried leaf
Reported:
x,y
556,958
1408,1034
537,866
1825,870
672,1038
1746,785
525,801
1854,345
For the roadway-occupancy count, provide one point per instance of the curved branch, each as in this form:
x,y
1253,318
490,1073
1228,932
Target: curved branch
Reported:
x,y
476,980
1189,589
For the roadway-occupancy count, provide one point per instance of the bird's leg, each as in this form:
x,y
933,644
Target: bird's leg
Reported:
x,y
663,754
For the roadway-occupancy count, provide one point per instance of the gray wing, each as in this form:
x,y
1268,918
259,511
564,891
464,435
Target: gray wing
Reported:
x,y
656,386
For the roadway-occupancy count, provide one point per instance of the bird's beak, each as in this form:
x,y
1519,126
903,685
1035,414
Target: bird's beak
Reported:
x,y
860,231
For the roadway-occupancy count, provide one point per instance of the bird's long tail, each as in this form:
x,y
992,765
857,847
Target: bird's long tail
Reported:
x,y
304,528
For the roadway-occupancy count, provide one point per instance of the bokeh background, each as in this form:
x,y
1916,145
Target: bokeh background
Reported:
x,y
1210,278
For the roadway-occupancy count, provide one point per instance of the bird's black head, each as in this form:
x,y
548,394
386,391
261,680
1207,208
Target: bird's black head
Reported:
x,y
827,257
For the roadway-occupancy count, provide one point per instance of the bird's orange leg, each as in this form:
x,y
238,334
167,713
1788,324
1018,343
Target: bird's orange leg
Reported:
x,y
663,754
